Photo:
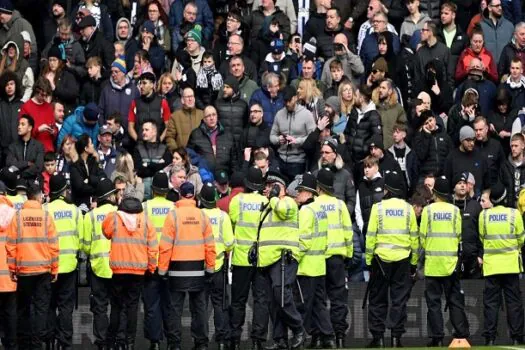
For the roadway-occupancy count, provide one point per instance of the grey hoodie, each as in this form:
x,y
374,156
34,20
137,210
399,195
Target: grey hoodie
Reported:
x,y
409,26
130,31
299,124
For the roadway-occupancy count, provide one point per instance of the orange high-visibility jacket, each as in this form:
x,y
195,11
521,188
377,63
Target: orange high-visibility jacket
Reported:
x,y
32,241
187,247
134,245
7,212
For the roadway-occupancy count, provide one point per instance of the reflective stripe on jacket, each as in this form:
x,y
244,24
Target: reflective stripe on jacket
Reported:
x,y
7,212
222,233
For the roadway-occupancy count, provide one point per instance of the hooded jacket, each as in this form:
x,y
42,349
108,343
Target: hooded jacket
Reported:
x,y
299,124
494,156
497,35
14,27
360,128
114,98
225,156
391,112
75,126
259,20
369,48
512,176
486,58
9,110
409,26
22,70
233,114
131,45
432,150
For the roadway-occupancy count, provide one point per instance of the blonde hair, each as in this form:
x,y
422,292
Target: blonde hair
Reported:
x,y
125,166
163,77
311,91
346,106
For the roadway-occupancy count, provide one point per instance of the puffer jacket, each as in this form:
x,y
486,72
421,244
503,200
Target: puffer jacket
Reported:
x,y
270,105
114,98
496,36
225,157
8,120
233,114
431,8
359,131
432,150
74,125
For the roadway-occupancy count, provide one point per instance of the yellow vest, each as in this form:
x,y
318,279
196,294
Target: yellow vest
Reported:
x,y
96,245
68,222
313,227
245,214
501,233
17,200
222,233
339,233
157,209
392,232
440,236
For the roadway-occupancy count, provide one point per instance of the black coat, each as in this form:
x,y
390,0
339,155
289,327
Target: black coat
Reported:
x,y
34,153
9,122
233,115
358,135
91,91
512,178
226,154
370,192
459,43
494,156
502,122
474,162
431,151
99,46
470,210
83,191
66,90
150,158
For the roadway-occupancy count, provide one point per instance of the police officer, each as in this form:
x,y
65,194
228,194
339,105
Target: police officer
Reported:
x,y
9,178
223,234
32,258
339,249
469,209
246,213
440,239
156,295
392,245
7,286
501,231
134,250
97,247
69,225
278,256
187,258
313,225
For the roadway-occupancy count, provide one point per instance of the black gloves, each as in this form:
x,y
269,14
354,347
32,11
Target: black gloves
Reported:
x,y
275,191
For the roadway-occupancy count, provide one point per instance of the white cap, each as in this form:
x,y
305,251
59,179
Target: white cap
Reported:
x,y
26,36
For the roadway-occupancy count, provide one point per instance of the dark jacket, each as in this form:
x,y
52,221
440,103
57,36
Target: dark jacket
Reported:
x,y
270,105
459,43
253,135
114,98
233,114
344,186
221,44
494,156
455,122
258,21
358,135
226,153
512,10
369,49
8,121
473,162
407,160
34,153
472,247
66,91
106,25
513,178
426,54
97,45
204,18
431,151
486,90
431,8
84,191
150,158
510,51
325,41
250,70
502,122
370,192
517,93
74,54
91,90
156,56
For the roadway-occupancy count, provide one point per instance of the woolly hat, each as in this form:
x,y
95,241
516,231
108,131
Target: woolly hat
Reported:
x,y
195,33
54,51
91,112
466,132
61,3
333,101
332,143
232,82
376,141
6,6
120,64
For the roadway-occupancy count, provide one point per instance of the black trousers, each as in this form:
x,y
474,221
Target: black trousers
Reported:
x,y
221,317
245,277
63,294
314,309
283,317
337,294
33,297
8,319
125,297
396,280
494,285
99,302
199,319
156,298
435,287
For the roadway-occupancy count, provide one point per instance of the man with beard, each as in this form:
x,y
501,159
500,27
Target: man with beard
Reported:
x,y
390,110
232,110
512,171
255,132
489,147
496,29
387,162
470,210
352,64
467,158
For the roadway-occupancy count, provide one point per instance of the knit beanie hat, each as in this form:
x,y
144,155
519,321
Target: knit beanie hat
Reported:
x,y
54,51
333,101
232,82
6,6
120,64
195,33
61,3
466,132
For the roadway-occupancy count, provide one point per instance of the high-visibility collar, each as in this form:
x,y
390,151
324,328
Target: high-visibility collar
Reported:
x,y
185,202
32,204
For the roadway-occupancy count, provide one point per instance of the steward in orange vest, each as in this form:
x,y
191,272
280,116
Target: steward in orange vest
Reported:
x,y
134,249
187,256
32,257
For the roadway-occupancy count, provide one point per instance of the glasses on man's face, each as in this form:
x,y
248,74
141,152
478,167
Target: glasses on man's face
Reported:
x,y
256,111
496,5
326,152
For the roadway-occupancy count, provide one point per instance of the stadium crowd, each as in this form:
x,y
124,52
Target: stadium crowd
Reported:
x,y
243,105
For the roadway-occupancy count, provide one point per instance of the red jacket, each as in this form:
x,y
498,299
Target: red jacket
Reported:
x,y
224,203
485,56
